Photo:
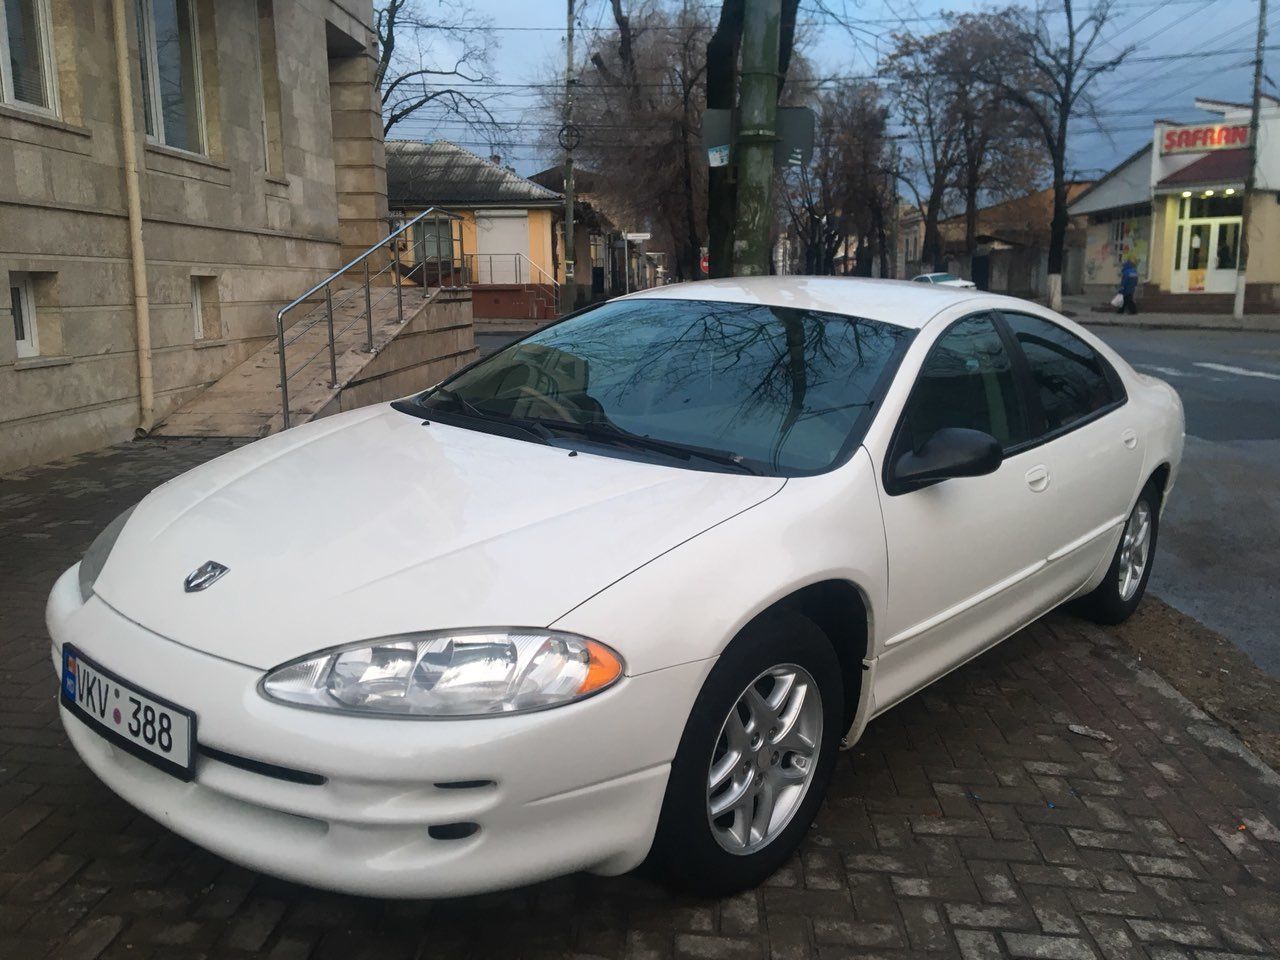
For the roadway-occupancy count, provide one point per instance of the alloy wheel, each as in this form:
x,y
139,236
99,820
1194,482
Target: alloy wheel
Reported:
x,y
1135,550
764,758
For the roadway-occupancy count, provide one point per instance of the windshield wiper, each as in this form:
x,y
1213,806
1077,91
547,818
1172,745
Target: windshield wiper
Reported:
x,y
528,427
603,431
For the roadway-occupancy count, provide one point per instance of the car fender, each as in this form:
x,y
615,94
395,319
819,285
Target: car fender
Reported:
x,y
690,603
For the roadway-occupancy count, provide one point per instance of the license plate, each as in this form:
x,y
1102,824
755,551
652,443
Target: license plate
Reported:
x,y
149,727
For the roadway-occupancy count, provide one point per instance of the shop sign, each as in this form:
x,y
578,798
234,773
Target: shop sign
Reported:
x,y
1205,136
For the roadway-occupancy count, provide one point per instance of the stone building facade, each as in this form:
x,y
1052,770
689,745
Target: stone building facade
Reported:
x,y
257,144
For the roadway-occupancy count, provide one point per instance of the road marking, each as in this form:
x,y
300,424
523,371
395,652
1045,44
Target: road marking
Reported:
x,y
1238,371
1164,371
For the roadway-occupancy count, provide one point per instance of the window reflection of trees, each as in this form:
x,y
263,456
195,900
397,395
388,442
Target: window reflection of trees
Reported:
x,y
767,363
1069,375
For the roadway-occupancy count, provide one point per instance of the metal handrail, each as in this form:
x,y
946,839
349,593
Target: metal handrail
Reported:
x,y
516,259
326,285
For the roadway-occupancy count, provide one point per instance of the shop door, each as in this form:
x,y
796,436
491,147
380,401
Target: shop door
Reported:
x,y
1206,260
1224,251
1206,246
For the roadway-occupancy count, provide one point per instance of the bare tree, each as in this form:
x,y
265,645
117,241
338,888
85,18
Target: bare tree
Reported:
x,y
1048,72
923,98
1000,152
839,202
432,59
639,104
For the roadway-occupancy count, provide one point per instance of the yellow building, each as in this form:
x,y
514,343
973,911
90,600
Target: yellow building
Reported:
x,y
505,228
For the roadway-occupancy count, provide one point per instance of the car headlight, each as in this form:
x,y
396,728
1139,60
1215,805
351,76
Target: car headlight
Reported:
x,y
95,557
449,673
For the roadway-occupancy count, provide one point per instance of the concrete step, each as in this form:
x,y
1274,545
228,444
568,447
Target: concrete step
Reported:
x,y
245,402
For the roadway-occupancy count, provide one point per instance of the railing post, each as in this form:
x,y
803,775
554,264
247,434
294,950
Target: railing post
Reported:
x,y
333,350
462,251
395,252
453,279
368,304
284,372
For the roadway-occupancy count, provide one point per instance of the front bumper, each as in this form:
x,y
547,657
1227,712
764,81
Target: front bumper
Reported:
x,y
407,808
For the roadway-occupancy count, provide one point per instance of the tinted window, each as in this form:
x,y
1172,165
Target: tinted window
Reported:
x,y
967,381
785,389
1071,379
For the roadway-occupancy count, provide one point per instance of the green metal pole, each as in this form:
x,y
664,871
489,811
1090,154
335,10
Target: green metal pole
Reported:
x,y
570,281
757,134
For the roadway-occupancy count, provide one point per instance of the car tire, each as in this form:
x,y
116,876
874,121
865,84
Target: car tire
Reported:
x,y
1118,595
789,663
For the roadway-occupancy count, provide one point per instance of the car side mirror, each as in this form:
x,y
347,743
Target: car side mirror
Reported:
x,y
951,452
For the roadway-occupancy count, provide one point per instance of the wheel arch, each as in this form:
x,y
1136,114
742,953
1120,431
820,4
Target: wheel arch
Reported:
x,y
1159,478
842,612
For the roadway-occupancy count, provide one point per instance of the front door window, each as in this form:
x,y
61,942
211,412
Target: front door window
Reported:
x,y
967,381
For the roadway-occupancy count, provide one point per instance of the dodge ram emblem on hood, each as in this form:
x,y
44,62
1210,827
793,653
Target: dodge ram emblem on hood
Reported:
x,y
205,575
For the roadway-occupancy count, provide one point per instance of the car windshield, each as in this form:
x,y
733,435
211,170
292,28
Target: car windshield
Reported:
x,y
711,385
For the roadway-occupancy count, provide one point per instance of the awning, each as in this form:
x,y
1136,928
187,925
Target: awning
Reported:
x,y
1222,168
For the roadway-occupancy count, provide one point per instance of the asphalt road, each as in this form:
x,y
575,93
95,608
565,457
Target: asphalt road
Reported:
x,y
1218,559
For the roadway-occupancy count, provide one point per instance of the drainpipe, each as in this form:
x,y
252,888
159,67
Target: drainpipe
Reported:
x,y
137,254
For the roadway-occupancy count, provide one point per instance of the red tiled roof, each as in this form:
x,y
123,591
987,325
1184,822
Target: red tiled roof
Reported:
x,y
1220,166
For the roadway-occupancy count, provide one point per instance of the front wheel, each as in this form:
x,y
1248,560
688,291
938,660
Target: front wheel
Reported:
x,y
1114,600
755,758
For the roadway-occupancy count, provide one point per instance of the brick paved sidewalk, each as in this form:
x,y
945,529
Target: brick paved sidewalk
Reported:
x,y
969,822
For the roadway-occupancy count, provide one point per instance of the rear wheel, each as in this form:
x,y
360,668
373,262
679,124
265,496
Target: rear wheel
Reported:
x,y
1114,600
755,758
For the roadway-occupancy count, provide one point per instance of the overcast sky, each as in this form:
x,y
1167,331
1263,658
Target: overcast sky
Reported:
x,y
1186,48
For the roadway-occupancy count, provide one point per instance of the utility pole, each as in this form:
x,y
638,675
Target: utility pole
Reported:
x,y
1251,179
895,224
758,106
568,140
722,88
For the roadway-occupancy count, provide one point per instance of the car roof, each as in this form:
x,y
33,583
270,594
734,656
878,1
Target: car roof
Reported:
x,y
901,302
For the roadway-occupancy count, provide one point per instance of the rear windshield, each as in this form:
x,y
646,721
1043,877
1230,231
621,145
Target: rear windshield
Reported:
x,y
783,390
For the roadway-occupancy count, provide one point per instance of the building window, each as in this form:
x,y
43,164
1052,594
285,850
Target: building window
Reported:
x,y
206,319
23,304
272,138
26,55
170,58
197,318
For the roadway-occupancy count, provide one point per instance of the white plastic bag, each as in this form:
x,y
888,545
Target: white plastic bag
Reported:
x,y
1118,301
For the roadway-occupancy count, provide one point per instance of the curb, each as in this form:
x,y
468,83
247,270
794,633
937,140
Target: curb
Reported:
x,y
1205,729
1165,321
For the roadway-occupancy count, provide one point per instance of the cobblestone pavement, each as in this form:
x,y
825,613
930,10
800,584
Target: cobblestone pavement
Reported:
x,y
969,822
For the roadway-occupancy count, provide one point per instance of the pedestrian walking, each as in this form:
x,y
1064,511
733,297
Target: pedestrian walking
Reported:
x,y
1128,285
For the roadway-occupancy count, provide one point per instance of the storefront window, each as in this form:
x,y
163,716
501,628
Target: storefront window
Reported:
x,y
1213,207
1228,246
1198,254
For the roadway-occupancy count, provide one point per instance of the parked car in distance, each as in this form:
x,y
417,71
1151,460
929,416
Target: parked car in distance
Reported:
x,y
945,280
621,590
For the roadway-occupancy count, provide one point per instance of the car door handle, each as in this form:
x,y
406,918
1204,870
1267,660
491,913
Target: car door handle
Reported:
x,y
1129,437
1038,477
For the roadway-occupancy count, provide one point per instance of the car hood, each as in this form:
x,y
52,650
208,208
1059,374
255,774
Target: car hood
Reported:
x,y
369,524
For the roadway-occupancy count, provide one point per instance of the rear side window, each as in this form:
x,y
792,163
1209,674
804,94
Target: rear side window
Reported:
x,y
1072,381
967,381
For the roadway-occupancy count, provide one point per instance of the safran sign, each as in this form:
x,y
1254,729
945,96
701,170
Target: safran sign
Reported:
x,y
1205,136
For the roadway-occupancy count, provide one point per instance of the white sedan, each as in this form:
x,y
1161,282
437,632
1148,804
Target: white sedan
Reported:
x,y
944,280
620,591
